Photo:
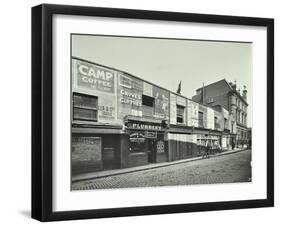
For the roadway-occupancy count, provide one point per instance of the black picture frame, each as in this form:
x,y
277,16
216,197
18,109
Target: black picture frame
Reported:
x,y
42,106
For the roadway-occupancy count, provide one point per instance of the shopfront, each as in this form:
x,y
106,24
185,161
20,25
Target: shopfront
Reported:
x,y
146,143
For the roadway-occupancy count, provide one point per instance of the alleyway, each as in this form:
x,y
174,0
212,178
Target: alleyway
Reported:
x,y
221,169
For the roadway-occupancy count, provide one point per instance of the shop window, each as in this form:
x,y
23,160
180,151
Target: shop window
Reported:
x,y
201,119
180,114
85,107
147,105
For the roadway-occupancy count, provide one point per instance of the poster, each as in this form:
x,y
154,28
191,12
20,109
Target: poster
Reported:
x,y
161,104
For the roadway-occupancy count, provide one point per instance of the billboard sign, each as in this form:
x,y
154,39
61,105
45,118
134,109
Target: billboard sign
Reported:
x,y
161,104
92,77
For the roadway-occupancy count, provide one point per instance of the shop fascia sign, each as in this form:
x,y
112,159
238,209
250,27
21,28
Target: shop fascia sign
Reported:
x,y
142,126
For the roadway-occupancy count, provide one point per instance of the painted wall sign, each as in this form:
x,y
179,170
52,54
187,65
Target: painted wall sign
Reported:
x,y
93,77
129,95
106,108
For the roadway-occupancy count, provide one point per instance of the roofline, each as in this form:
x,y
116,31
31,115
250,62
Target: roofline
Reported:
x,y
125,72
231,90
214,83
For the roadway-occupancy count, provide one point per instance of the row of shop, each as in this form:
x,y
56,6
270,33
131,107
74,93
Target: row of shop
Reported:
x,y
120,120
139,143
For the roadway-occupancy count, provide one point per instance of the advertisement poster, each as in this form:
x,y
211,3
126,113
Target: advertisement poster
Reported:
x,y
91,77
161,108
107,108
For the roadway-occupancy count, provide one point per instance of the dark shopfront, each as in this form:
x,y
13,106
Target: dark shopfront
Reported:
x,y
146,143
97,149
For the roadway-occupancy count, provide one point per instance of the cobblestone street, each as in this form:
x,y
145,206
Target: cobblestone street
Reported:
x,y
229,168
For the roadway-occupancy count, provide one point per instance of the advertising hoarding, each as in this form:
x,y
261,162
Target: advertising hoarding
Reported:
x,y
161,104
89,76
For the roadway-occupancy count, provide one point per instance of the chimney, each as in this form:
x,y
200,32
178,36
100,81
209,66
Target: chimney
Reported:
x,y
234,85
203,94
244,93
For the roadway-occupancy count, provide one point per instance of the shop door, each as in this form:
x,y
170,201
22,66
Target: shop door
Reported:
x,y
151,151
110,153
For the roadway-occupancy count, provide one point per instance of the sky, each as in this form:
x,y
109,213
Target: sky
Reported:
x,y
166,62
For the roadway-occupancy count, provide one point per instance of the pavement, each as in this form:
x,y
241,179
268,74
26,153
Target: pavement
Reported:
x,y
230,168
115,172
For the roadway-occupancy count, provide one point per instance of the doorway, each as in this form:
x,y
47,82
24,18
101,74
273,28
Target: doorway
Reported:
x,y
151,150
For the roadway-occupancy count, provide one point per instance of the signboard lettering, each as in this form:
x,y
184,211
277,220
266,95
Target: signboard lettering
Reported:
x,y
137,137
92,77
160,146
137,125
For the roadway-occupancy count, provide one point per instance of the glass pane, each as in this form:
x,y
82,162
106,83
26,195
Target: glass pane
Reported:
x,y
85,101
85,114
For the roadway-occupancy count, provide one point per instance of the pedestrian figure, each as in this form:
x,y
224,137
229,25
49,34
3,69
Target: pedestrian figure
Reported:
x,y
209,147
206,153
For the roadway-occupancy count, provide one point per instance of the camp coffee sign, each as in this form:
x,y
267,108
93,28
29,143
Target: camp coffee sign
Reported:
x,y
93,77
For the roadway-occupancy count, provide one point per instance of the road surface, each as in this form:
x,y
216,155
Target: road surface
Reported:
x,y
229,168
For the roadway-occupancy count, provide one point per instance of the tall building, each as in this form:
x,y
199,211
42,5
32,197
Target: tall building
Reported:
x,y
225,94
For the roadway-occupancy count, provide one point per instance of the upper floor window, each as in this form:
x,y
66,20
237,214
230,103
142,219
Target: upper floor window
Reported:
x,y
147,105
180,114
201,119
216,123
85,107
225,123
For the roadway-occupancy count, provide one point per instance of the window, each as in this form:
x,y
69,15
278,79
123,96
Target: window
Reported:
x,y
180,114
147,101
216,123
201,119
147,105
85,107
225,123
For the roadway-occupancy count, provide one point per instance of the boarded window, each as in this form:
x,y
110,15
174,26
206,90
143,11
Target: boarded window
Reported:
x,y
85,107
147,105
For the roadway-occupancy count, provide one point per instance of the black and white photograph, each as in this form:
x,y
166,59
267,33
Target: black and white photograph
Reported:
x,y
150,112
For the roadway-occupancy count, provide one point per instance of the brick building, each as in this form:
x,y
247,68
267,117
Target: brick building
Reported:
x,y
226,95
120,120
